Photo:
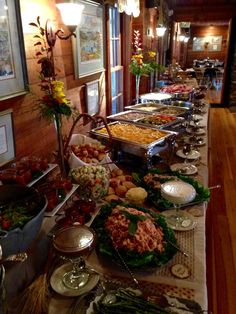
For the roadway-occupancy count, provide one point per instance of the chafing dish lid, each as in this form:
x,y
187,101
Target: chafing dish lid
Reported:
x,y
74,239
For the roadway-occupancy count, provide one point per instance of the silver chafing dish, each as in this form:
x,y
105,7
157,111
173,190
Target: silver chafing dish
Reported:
x,y
182,95
173,110
138,118
181,103
129,115
145,150
149,121
147,107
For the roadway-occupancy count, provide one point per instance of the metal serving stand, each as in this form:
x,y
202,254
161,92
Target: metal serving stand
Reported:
x,y
145,151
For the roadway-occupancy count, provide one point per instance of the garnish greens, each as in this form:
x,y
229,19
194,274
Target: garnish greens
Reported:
x,y
154,195
134,259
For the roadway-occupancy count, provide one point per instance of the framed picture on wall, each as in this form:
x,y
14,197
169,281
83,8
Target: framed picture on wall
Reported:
x,y
92,97
13,77
88,46
7,144
215,43
198,43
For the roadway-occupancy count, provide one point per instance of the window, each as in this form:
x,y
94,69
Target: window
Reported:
x,y
116,69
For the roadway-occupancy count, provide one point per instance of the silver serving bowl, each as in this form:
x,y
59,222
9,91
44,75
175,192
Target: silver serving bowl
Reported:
x,y
182,96
19,239
181,103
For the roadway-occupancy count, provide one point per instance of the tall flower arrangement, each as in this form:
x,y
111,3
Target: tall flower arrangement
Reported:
x,y
142,62
53,103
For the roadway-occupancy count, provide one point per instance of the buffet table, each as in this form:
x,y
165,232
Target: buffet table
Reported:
x,y
161,280
192,241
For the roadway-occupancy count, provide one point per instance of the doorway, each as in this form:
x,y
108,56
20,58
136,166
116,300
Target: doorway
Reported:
x,y
203,53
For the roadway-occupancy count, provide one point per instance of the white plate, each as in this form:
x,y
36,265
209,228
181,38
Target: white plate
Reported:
x,y
58,286
194,154
200,131
192,169
188,224
156,96
49,169
195,143
197,117
200,124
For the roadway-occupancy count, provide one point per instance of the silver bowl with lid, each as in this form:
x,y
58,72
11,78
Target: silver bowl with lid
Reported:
x,y
74,240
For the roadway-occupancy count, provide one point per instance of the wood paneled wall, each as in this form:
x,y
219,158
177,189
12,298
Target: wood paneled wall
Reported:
x,y
203,31
34,135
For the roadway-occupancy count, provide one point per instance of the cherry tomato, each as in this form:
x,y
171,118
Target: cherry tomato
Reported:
x,y
6,224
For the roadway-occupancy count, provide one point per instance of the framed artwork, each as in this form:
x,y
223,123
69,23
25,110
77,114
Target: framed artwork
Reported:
x,y
215,43
209,43
7,144
12,59
198,43
92,97
88,46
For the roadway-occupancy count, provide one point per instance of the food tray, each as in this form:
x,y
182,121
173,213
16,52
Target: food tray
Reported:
x,y
139,149
49,169
173,110
181,103
158,120
147,107
62,203
130,115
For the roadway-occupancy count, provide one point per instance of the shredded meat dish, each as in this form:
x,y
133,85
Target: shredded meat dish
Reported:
x,y
155,180
148,236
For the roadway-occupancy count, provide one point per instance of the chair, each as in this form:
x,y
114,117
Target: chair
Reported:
x,y
217,82
199,72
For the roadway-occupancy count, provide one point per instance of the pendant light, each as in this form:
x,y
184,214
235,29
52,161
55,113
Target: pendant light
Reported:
x,y
130,7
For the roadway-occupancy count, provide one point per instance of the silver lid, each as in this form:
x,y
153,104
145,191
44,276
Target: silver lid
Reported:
x,y
74,239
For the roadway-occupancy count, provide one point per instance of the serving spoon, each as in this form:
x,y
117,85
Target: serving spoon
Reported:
x,y
19,257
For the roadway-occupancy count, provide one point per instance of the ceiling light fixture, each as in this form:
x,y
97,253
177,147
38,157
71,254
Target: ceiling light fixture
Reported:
x,y
130,7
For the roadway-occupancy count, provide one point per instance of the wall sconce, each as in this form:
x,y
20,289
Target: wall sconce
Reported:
x,y
71,16
181,38
186,39
130,7
70,13
160,30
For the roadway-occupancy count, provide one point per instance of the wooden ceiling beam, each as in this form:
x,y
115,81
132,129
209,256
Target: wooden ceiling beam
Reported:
x,y
206,13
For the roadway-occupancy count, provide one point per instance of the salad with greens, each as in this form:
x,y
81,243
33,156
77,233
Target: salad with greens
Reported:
x,y
17,214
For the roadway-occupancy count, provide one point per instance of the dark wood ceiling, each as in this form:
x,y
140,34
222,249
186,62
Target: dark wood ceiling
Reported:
x,y
203,11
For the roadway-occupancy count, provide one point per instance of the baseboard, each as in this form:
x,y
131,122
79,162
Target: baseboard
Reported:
x,y
232,109
216,105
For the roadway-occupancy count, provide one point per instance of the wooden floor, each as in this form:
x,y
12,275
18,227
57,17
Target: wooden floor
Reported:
x,y
221,213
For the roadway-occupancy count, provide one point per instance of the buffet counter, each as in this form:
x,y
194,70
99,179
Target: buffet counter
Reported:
x,y
161,280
